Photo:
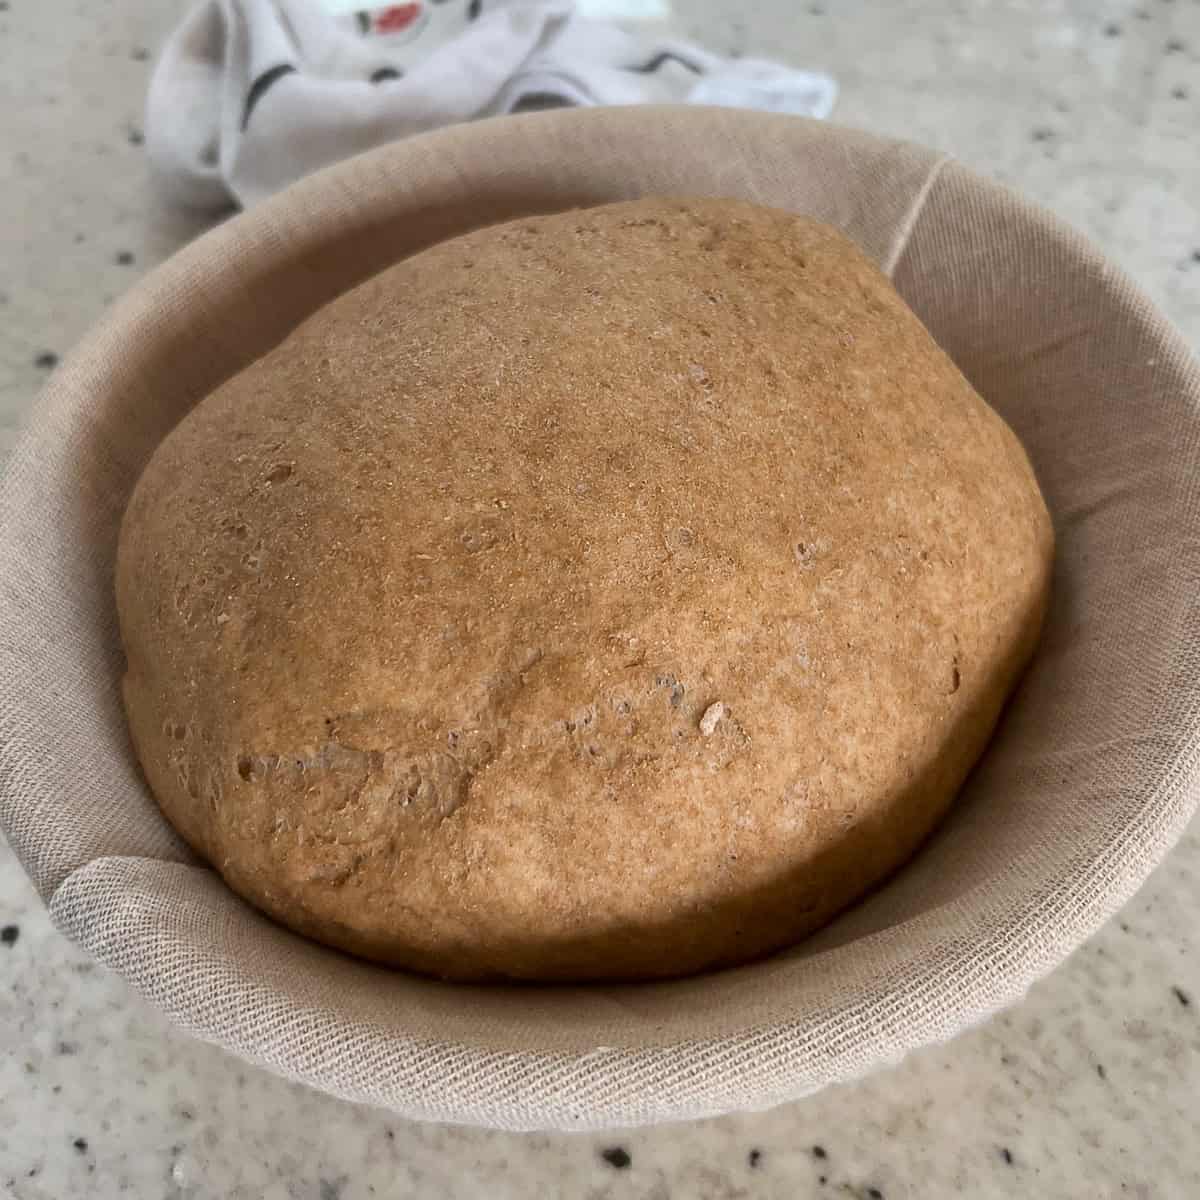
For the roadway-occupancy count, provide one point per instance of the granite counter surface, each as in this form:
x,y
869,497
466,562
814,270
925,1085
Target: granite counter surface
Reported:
x,y
1088,1088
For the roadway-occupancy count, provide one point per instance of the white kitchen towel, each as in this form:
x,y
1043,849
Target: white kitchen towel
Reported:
x,y
249,95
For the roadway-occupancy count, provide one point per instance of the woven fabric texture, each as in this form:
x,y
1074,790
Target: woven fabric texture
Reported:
x,y
1092,776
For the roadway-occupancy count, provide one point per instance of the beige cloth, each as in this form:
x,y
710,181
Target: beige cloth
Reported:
x,y
1091,778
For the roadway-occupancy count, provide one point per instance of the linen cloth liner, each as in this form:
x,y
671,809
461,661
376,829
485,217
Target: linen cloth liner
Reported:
x,y
1091,777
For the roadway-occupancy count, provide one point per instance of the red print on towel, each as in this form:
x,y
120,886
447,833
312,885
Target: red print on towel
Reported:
x,y
397,18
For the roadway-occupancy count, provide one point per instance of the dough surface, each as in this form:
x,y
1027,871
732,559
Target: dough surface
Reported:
x,y
615,594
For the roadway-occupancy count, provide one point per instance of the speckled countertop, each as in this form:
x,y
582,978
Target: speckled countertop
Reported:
x,y
1090,1087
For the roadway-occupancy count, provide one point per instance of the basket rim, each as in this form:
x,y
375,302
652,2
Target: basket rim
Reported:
x,y
1011,954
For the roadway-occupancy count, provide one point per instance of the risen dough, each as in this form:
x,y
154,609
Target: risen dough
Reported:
x,y
613,594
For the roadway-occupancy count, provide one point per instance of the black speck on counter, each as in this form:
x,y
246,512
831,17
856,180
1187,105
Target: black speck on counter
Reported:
x,y
10,933
1112,29
66,1048
754,1158
140,54
1101,1071
874,1193
1042,134
1179,93
80,1144
136,137
1196,256
617,1156
819,1152
822,1178
1006,1154
1175,46
46,361
125,258
1182,997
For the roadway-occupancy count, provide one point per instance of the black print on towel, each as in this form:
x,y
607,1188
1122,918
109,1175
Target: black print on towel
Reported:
x,y
260,87
648,68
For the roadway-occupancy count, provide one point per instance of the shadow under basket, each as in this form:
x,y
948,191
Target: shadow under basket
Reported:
x,y
1091,777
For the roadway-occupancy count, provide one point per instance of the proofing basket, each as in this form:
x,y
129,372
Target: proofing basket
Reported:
x,y
1091,777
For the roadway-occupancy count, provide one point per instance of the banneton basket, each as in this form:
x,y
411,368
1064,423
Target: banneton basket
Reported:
x,y
1090,779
